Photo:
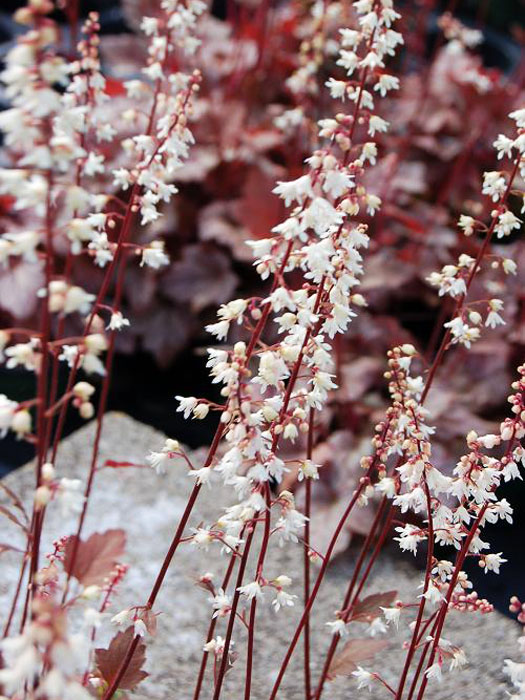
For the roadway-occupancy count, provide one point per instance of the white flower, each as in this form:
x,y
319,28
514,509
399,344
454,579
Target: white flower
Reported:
x,y
77,300
154,256
348,60
308,470
23,243
122,178
321,216
492,562
372,61
369,152
219,329
140,628
272,369
337,183
122,617
93,164
21,663
509,266
186,404
117,322
364,678
252,590
507,222
201,476
504,146
386,83
373,203
149,25
467,223
338,626
519,117
158,460
434,671
493,318
461,332
377,124
221,603
202,538
494,184
7,411
21,423
392,615
337,88
283,600
409,538
294,190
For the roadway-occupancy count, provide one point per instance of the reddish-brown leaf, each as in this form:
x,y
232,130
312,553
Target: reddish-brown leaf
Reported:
x,y
370,607
109,660
354,651
96,557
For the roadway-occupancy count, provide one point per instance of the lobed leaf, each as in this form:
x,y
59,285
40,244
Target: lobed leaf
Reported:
x,y
108,661
353,653
96,557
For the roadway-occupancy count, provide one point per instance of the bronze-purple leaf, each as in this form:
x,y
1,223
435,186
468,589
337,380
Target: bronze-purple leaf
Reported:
x,y
353,653
109,661
370,607
96,557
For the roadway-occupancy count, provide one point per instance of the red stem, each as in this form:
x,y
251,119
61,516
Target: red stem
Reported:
x,y
422,602
253,607
211,628
306,557
317,585
233,612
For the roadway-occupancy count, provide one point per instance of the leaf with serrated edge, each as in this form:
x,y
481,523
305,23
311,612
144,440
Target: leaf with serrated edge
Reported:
x,y
354,652
96,557
109,661
370,607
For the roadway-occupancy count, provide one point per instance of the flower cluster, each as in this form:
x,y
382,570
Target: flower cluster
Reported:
x,y
455,280
58,137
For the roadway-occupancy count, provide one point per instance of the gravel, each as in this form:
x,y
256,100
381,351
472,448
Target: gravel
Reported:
x,y
148,507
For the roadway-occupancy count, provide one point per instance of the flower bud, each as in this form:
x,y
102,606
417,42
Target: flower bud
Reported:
x,y
83,390
90,592
42,497
48,471
21,423
86,410
201,410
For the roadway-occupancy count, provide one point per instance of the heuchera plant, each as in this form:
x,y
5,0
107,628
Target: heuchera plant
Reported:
x,y
84,194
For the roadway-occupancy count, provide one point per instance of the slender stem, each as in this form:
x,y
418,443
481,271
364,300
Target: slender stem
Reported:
x,y
316,587
42,386
113,687
475,267
231,621
211,628
422,602
306,556
253,607
16,596
348,596
98,433
419,668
